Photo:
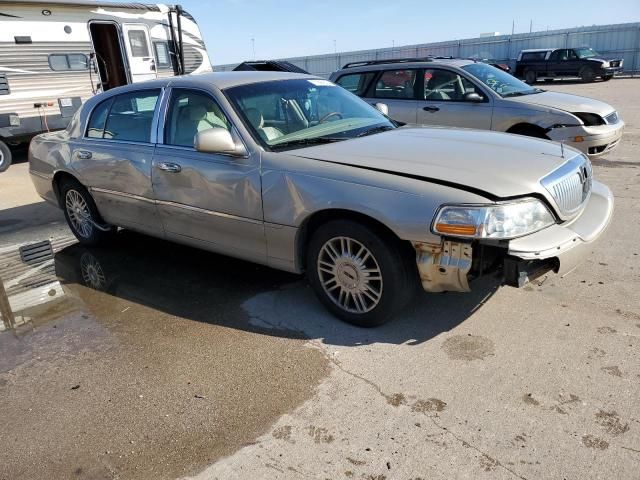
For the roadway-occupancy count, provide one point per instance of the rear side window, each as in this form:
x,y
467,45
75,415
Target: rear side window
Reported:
x,y
127,117
533,56
356,83
396,84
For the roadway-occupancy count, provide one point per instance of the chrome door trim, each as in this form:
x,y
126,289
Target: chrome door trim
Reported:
x,y
177,205
209,212
121,194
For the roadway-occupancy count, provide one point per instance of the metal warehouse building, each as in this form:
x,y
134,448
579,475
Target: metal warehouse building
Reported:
x,y
620,40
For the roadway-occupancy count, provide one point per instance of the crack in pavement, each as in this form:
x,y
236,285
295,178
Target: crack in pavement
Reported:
x,y
431,417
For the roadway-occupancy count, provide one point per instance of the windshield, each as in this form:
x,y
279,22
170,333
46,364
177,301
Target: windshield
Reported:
x,y
291,113
586,53
499,81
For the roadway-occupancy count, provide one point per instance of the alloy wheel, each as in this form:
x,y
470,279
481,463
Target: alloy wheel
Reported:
x,y
79,214
350,275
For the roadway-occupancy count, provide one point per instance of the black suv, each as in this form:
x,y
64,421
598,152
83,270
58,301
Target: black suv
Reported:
x,y
550,63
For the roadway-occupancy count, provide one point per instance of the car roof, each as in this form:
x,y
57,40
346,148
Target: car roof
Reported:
x,y
537,50
404,63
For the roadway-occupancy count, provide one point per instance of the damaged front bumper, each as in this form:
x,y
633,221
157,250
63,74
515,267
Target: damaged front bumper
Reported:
x,y
558,248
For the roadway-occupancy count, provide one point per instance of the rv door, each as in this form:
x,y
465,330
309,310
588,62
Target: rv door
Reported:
x,y
139,54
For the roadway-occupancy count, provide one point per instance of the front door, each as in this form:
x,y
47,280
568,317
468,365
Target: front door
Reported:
x,y
113,160
141,62
444,101
397,89
208,200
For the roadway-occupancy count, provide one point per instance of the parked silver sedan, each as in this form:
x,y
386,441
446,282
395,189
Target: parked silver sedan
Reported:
x,y
293,172
470,94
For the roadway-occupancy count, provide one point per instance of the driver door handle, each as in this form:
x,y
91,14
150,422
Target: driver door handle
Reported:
x,y
430,109
169,167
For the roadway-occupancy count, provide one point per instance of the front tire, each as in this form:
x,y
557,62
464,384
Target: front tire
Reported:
x,y
5,157
587,75
606,78
530,76
82,214
358,272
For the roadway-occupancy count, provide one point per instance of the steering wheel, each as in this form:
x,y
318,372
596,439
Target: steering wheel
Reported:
x,y
328,116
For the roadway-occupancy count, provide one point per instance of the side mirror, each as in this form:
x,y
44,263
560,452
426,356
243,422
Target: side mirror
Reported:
x,y
215,140
473,97
383,108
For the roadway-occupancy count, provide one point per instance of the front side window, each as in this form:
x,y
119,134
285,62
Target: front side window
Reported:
x,y
586,53
356,83
60,62
138,43
131,116
287,114
396,84
499,81
445,85
191,112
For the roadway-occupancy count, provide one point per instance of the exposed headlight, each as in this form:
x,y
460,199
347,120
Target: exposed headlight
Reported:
x,y
499,221
605,65
589,119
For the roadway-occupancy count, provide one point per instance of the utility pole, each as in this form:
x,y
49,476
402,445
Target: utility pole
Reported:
x,y
513,26
335,47
530,25
253,47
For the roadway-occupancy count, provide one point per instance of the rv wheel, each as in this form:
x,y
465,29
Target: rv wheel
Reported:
x,y
5,157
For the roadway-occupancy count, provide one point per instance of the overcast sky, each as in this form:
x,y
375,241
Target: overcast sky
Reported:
x,y
287,28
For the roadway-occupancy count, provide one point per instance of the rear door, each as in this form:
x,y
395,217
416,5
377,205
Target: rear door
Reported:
x,y
209,200
113,159
397,89
139,54
444,101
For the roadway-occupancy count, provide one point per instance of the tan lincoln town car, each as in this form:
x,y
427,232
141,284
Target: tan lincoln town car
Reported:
x,y
294,172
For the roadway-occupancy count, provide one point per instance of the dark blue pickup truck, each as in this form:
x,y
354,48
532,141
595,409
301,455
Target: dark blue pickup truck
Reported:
x,y
550,63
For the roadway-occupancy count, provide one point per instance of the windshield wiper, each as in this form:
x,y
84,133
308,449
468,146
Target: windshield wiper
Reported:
x,y
374,130
307,141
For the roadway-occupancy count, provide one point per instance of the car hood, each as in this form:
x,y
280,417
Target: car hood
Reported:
x,y
497,164
565,101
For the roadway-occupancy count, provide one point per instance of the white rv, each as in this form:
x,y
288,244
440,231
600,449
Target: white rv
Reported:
x,y
56,54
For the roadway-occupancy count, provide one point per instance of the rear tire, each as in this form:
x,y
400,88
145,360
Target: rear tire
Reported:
x,y
587,75
82,214
358,272
530,76
5,157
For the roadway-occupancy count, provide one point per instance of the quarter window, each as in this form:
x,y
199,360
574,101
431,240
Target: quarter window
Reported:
x,y
190,113
98,119
138,43
356,83
60,62
396,84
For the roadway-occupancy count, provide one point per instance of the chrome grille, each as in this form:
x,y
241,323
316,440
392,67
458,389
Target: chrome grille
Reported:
x,y
612,118
570,185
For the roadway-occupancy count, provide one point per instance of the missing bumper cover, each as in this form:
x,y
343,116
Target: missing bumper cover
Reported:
x,y
518,272
444,267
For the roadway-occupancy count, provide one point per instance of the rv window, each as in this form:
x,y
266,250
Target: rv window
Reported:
x,y
131,116
61,62
162,54
138,42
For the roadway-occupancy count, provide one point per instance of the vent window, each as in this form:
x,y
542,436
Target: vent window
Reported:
x,y
4,85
